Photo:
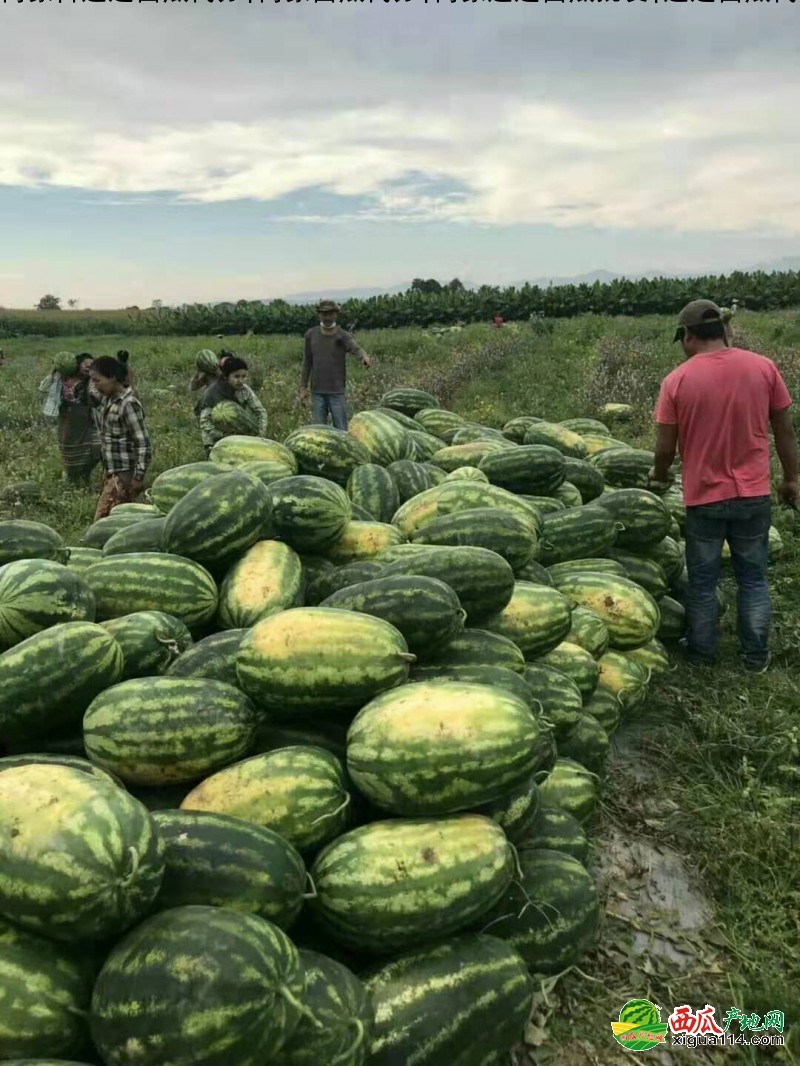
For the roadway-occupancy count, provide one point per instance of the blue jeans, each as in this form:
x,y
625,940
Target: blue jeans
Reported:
x,y
744,523
329,403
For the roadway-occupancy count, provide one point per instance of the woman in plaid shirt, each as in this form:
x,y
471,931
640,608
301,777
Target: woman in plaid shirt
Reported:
x,y
125,446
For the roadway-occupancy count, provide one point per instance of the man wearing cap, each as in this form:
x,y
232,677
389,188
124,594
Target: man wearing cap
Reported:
x,y
717,407
326,348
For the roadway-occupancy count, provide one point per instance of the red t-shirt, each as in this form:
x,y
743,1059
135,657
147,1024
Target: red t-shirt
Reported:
x,y
721,402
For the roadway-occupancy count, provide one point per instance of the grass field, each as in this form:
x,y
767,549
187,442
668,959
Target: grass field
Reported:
x,y
708,776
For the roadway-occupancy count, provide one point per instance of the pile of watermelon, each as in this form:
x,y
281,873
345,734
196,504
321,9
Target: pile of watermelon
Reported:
x,y
302,755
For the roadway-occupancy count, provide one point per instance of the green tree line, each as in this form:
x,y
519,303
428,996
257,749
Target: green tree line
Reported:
x,y
757,291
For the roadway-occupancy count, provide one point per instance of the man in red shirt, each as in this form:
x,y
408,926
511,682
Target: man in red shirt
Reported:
x,y
717,407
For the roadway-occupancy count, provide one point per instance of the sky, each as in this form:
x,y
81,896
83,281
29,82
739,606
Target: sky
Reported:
x,y
209,151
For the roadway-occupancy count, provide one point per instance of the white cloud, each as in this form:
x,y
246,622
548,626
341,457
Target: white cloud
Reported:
x,y
723,156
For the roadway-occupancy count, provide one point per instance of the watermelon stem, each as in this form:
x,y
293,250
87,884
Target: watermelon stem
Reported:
x,y
332,814
347,1055
298,1006
313,893
134,864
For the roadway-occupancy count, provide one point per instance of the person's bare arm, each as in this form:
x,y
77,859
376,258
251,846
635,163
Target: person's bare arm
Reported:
x,y
786,447
666,447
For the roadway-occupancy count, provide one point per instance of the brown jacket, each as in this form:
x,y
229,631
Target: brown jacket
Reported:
x,y
324,359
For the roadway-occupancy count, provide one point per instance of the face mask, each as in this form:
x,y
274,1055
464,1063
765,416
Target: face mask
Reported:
x,y
325,325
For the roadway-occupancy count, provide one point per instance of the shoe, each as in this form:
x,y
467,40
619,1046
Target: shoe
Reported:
x,y
757,666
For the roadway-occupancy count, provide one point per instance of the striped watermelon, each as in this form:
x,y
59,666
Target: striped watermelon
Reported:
x,y
373,488
535,573
153,581
557,830
167,730
236,450
653,656
499,677
570,567
51,678
482,579
268,578
425,610
442,746
570,787
36,594
668,553
384,439
545,504
516,810
90,885
171,486
470,454
230,417
644,517
576,663
104,529
464,1002
604,706
588,632
642,571
626,468
148,509
501,531
516,428
625,678
222,988
207,362
316,733
364,540
552,884
569,495
577,533
80,559
219,861
406,421
320,659
425,445
553,435
268,470
213,657
309,513
587,744
630,614
453,496
437,421
21,539
339,577
672,625
326,452
299,792
586,478
533,468
467,473
557,694
617,412
73,762
408,401
586,425
146,536
410,479
475,431
338,1028
395,884
46,994
150,641
537,619
479,647
218,519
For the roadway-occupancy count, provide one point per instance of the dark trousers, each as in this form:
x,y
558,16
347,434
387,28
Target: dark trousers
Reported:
x,y
744,524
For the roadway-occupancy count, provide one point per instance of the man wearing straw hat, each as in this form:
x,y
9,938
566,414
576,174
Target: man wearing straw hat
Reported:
x,y
326,349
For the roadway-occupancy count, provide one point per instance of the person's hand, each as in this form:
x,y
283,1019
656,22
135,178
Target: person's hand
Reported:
x,y
668,480
302,395
789,493
366,361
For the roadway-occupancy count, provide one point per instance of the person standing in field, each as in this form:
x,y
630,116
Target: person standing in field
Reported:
x,y
205,374
77,430
125,446
717,407
230,385
326,349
